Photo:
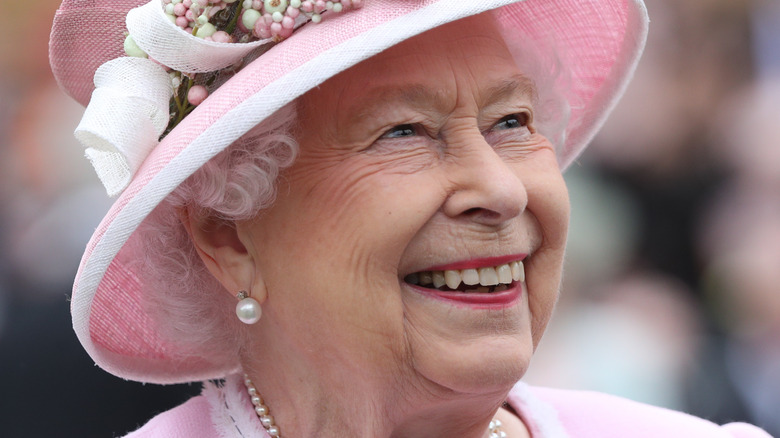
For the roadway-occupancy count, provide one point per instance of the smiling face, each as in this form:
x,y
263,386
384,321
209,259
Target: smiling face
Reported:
x,y
420,162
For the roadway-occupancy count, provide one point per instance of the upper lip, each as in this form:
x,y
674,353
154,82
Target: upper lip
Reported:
x,y
477,263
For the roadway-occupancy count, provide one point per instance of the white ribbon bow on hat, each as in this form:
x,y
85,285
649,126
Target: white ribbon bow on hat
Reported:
x,y
125,117
129,109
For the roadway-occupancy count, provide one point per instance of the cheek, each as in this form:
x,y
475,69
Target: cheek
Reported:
x,y
364,202
337,236
554,212
548,200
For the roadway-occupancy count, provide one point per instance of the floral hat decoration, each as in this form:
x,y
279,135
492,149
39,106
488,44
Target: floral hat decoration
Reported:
x,y
176,51
169,84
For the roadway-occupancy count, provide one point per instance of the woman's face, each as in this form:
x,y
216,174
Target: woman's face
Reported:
x,y
422,160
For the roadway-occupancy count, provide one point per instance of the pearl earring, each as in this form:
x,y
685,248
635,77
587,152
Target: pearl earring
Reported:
x,y
248,309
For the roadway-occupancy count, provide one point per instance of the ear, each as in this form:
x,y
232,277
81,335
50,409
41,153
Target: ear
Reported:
x,y
219,245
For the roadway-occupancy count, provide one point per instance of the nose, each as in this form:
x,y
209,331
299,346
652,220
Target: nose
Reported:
x,y
486,189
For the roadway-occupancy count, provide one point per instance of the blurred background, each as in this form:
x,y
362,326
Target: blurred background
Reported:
x,y
672,285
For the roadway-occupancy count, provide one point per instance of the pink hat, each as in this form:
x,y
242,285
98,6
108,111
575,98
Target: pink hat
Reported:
x,y
599,42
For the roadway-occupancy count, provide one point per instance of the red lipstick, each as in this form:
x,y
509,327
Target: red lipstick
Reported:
x,y
478,300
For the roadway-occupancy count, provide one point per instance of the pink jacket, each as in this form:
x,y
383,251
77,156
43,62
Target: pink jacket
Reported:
x,y
225,412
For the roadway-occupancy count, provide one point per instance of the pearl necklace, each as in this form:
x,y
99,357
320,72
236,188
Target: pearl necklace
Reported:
x,y
264,414
261,410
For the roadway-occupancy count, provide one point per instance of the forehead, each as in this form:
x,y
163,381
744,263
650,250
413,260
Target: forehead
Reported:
x,y
469,53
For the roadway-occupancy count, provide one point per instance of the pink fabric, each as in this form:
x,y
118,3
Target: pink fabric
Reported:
x,y
549,413
589,51
190,420
74,24
116,335
744,430
595,415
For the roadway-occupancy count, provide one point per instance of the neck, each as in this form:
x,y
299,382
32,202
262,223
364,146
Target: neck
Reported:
x,y
326,405
447,419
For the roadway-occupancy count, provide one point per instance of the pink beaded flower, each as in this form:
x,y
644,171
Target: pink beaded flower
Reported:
x,y
276,18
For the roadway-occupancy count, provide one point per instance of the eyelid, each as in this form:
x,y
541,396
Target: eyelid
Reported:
x,y
386,134
418,128
525,116
522,133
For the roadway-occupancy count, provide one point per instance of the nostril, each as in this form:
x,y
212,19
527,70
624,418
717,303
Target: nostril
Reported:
x,y
477,213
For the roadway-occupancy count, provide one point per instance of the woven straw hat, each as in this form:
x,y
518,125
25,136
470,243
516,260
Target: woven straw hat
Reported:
x,y
598,41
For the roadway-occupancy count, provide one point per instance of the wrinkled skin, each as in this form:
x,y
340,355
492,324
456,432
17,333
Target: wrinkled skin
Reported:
x,y
426,154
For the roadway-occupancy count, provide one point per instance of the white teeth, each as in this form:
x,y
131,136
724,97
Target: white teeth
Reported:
x,y
452,278
488,277
438,279
470,276
518,271
504,274
498,276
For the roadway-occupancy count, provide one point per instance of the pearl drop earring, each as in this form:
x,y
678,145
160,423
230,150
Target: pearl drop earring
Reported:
x,y
248,309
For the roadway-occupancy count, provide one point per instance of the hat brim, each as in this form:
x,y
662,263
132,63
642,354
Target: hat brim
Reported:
x,y
601,40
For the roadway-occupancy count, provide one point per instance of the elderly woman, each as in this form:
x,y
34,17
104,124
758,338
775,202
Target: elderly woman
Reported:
x,y
350,217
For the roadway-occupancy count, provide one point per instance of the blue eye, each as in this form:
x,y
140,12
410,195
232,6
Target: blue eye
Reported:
x,y
400,131
512,121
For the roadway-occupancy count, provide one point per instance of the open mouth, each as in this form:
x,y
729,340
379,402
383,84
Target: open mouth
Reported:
x,y
480,280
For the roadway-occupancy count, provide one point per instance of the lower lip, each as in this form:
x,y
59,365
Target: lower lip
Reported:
x,y
484,300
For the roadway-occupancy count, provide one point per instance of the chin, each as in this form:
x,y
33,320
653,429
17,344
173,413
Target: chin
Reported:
x,y
468,348
481,365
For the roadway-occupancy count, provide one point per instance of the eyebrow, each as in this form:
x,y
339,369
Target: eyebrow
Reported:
x,y
517,84
421,96
413,95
